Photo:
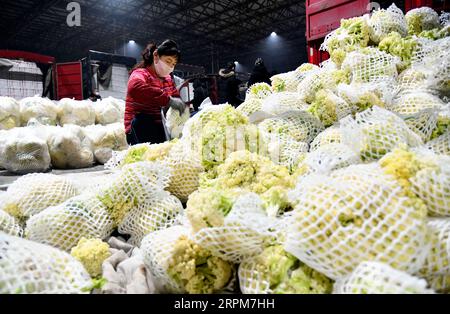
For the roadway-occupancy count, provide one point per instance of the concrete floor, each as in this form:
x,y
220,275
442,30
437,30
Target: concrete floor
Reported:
x,y
7,178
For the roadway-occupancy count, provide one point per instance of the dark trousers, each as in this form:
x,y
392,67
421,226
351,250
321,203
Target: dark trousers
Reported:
x,y
144,129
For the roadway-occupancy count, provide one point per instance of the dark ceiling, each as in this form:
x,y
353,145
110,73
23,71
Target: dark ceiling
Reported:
x,y
205,30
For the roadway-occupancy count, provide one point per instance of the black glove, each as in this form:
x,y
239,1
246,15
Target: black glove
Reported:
x,y
177,104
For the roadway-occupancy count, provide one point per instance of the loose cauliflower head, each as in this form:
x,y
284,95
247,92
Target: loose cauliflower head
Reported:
x,y
91,253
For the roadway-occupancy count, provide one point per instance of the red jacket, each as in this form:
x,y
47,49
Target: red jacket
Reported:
x,y
147,93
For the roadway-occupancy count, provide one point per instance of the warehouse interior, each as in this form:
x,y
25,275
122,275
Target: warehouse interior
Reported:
x,y
241,147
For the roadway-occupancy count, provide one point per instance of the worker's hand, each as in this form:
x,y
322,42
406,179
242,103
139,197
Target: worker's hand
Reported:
x,y
177,104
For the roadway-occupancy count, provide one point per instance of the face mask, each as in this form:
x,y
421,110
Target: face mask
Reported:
x,y
163,69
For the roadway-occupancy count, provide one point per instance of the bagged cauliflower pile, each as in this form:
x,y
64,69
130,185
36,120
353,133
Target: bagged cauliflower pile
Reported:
x,y
333,179
9,113
80,113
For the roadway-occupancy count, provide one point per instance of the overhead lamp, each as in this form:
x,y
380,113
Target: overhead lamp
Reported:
x,y
131,42
273,34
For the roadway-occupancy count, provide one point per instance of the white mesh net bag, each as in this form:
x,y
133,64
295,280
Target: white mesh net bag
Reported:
x,y
331,135
414,102
132,186
31,194
106,139
175,122
185,168
9,113
258,91
432,185
244,231
23,152
330,157
279,103
286,82
157,249
330,108
438,259
379,278
159,212
69,148
300,125
250,106
284,150
422,19
81,113
62,226
382,22
9,225
27,267
275,271
41,109
115,160
422,123
440,145
371,65
375,132
412,80
318,80
357,214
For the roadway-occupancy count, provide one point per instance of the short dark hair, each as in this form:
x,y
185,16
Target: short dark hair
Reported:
x,y
166,48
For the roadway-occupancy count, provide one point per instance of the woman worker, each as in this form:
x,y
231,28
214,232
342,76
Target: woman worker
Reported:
x,y
151,88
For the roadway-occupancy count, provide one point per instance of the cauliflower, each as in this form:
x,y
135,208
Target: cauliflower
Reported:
x,y
330,135
9,225
62,226
306,67
277,272
91,253
136,153
299,125
443,125
379,278
421,19
323,79
196,270
250,106
33,193
384,22
285,82
360,96
175,122
436,33
357,209
41,109
285,150
282,102
159,212
106,139
28,267
400,47
371,65
329,108
441,144
133,185
258,91
352,34
250,172
9,113
411,80
81,113
208,207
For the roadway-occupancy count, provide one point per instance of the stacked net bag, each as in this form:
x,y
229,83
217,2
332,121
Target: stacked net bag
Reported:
x,y
440,145
383,22
375,132
41,109
31,194
180,265
109,111
250,106
81,113
331,135
63,226
279,103
27,267
69,147
156,213
421,19
242,232
356,214
284,150
9,225
9,113
106,139
321,79
24,152
379,278
258,91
